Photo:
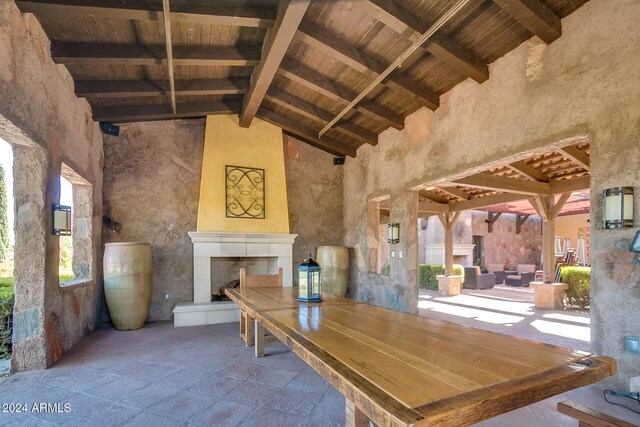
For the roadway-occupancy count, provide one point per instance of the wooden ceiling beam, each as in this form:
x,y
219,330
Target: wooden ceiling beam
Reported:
x,y
290,14
166,10
140,10
433,207
111,54
487,181
337,48
535,16
484,202
454,191
438,45
327,143
145,88
137,113
311,80
312,112
577,156
570,185
528,171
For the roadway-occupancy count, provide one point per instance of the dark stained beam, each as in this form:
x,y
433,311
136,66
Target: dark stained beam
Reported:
x,y
110,54
311,80
137,113
290,14
138,88
336,47
293,127
312,112
202,13
169,46
401,21
535,16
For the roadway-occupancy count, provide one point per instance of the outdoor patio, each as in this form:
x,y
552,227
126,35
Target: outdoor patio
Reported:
x,y
204,375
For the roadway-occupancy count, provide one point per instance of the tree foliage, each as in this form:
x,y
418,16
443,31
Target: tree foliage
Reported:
x,y
5,245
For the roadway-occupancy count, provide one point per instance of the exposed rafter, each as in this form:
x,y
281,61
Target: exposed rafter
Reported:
x,y
336,47
528,171
535,16
110,54
133,113
144,88
487,181
168,43
311,80
325,143
578,156
209,14
454,191
275,46
401,21
484,202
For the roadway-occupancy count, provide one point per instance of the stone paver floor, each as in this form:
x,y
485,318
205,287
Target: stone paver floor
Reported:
x,y
166,376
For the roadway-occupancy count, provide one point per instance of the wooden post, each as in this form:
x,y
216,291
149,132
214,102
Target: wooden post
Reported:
x,y
448,221
259,339
354,417
248,323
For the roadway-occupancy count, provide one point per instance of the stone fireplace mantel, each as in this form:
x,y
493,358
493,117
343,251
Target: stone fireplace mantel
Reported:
x,y
207,245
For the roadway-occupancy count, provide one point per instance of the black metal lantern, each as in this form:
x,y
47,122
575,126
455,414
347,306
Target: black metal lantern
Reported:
x,y
393,233
618,207
309,281
61,220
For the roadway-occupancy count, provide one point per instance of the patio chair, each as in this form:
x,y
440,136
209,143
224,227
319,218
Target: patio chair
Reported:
x,y
498,270
255,281
525,274
473,279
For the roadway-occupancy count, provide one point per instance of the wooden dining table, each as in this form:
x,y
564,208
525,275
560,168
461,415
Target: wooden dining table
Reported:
x,y
400,369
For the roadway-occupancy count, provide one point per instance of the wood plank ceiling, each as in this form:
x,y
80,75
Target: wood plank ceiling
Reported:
x,y
294,63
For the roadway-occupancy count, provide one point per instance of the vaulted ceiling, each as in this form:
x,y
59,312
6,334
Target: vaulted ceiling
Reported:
x,y
332,73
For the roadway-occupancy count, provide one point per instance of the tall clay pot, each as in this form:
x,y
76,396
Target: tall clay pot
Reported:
x,y
128,283
334,261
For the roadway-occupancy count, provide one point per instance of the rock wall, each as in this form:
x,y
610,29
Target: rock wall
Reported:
x,y
48,126
151,189
585,83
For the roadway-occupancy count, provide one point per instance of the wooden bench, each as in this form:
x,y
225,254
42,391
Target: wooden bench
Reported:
x,y
587,417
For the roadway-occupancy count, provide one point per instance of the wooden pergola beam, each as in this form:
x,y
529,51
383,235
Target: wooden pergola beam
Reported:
x,y
401,21
111,54
520,220
486,181
492,217
140,10
528,171
145,88
290,14
326,143
454,191
535,16
311,80
319,115
136,113
484,202
433,207
577,156
570,185
337,48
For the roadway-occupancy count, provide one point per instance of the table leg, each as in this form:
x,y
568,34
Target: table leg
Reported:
x,y
259,339
354,417
248,324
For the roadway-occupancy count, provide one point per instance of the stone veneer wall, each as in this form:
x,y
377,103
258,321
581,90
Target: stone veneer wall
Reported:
x,y
586,82
151,190
47,126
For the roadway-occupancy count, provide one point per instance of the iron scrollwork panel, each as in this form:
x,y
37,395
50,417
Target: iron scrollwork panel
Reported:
x,y
245,192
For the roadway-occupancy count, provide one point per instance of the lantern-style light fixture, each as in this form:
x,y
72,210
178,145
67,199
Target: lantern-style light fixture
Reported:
x,y
309,281
61,220
618,207
393,233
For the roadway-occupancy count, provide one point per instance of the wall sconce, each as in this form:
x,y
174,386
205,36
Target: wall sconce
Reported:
x,y
635,247
393,233
61,220
618,207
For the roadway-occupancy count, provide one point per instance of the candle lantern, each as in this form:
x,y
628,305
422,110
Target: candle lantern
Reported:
x,y
309,281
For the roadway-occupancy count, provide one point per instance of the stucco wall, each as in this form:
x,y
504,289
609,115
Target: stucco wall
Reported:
x,y
587,82
152,181
39,110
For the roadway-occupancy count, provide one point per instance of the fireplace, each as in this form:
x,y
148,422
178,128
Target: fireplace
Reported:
x,y
216,257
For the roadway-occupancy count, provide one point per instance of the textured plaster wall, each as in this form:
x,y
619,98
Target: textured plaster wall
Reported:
x,y
587,82
41,116
314,194
503,245
151,189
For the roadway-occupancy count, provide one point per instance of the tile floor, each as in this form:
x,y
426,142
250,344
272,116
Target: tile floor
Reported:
x,y
166,376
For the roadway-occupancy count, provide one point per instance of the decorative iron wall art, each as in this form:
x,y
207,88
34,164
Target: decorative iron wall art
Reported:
x,y
245,192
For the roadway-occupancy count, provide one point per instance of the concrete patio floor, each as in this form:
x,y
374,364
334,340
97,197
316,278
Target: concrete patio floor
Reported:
x,y
166,376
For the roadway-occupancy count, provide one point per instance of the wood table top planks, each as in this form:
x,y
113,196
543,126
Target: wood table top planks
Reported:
x,y
403,369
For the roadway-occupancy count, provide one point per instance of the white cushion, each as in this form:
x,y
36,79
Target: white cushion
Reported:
x,y
526,268
513,277
492,268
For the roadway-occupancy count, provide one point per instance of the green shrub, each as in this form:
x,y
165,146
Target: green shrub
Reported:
x,y
6,314
386,270
427,275
579,281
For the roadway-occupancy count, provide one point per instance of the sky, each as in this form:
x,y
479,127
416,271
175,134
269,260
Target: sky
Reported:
x,y
6,160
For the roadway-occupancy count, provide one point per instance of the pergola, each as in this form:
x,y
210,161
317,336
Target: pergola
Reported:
x,y
546,180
